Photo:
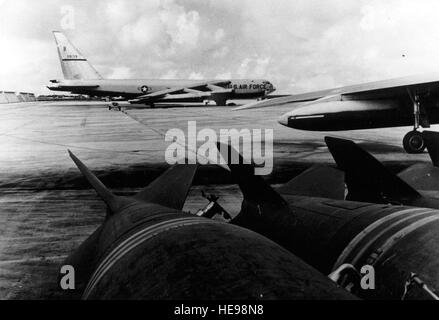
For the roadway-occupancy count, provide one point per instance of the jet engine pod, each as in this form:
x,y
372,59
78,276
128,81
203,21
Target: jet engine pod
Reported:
x,y
345,115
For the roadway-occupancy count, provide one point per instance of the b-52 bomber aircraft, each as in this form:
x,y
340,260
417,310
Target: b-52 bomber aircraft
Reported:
x,y
80,77
390,103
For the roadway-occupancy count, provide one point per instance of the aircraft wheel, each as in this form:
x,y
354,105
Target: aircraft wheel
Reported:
x,y
414,142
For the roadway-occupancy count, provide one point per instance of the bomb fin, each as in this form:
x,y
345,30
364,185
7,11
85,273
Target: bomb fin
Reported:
x,y
253,187
113,202
318,181
367,179
432,142
171,188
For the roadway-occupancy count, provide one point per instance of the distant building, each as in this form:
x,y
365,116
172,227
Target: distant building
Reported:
x,y
15,97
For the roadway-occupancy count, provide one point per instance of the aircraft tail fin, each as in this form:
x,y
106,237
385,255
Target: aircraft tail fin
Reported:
x,y
74,65
432,142
367,179
318,181
171,188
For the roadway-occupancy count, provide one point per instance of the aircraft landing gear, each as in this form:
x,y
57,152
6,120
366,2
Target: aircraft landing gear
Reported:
x,y
414,142
114,105
221,102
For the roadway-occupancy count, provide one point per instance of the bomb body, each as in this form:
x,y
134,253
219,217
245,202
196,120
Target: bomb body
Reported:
x,y
397,241
149,249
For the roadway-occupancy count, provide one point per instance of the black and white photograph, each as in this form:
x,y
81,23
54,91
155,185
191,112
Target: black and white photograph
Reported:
x,y
219,156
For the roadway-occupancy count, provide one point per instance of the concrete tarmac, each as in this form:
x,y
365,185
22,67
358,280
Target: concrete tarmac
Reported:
x,y
47,208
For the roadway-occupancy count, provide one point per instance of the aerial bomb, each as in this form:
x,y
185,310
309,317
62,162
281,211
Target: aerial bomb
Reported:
x,y
149,249
396,241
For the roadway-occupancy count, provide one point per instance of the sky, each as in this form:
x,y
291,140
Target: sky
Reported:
x,y
299,45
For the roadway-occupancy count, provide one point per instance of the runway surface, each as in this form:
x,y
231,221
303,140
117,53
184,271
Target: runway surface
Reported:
x,y
47,209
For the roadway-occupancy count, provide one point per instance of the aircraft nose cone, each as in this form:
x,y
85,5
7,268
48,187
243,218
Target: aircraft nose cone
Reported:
x,y
271,88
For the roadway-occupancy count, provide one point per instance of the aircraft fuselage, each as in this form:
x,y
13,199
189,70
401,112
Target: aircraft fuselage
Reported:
x,y
242,88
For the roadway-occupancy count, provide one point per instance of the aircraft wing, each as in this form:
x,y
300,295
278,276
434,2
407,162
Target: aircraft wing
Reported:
x,y
197,90
373,90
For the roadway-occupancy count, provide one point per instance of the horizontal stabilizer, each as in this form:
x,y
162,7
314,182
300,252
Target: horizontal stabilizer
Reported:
x,y
319,181
366,178
171,188
432,142
109,198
